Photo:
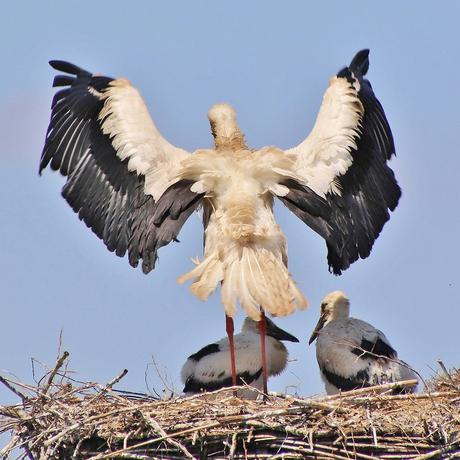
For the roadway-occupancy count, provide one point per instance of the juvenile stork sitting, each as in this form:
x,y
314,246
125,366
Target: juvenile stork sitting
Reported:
x,y
210,368
351,353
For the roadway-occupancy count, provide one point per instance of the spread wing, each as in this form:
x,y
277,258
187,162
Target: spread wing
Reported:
x,y
117,164
343,187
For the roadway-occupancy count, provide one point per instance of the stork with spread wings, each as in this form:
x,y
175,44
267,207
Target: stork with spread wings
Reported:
x,y
135,190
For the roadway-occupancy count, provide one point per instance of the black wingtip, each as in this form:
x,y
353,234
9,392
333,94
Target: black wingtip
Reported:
x,y
67,67
360,63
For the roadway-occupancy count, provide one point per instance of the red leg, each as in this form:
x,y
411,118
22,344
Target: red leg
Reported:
x,y
263,332
230,329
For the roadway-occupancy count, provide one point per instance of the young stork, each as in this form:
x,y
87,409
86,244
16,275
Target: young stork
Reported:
x,y
135,190
351,353
210,368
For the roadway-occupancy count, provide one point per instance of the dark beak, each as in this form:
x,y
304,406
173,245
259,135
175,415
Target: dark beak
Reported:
x,y
278,333
319,326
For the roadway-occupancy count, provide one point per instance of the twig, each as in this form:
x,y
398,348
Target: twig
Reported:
x,y
59,364
116,379
4,453
76,451
366,390
409,397
110,385
169,385
14,390
442,450
447,374
325,450
231,455
371,422
157,427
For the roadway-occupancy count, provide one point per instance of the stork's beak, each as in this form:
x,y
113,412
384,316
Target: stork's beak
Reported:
x,y
278,333
319,326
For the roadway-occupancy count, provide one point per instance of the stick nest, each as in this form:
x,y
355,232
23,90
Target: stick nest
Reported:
x,y
93,422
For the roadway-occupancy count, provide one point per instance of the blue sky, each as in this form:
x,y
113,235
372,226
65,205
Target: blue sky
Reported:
x,y
272,62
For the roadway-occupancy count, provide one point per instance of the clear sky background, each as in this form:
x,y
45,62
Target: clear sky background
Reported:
x,y
272,61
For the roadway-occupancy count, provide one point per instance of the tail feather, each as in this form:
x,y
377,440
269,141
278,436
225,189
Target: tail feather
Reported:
x,y
254,277
208,274
271,284
244,281
229,294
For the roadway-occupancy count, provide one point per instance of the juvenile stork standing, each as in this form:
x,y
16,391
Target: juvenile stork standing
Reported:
x,y
135,190
351,353
210,368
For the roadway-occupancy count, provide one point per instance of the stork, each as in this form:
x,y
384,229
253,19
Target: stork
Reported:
x,y
135,190
351,353
210,368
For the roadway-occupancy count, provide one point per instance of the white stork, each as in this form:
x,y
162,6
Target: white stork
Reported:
x,y
210,368
135,190
351,353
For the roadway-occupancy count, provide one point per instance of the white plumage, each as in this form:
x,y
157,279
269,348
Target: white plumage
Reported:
x,y
210,368
135,190
351,353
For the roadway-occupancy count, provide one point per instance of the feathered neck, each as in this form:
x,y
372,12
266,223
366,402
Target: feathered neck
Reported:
x,y
224,128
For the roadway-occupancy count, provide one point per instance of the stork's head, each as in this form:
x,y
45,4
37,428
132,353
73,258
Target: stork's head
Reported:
x,y
334,306
249,325
224,127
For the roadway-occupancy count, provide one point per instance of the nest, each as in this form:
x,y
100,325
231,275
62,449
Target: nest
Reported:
x,y
94,422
